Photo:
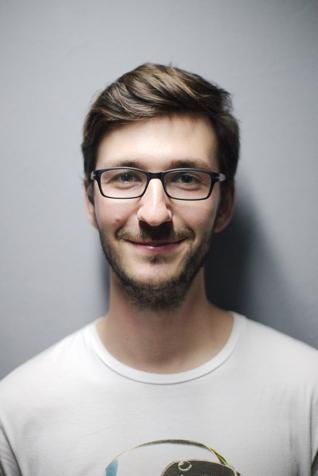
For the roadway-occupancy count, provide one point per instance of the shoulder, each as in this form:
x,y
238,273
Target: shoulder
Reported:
x,y
279,353
272,341
43,372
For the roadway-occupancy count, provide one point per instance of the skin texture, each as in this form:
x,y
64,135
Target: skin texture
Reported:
x,y
159,318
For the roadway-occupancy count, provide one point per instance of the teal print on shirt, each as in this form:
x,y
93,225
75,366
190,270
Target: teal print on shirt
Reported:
x,y
111,469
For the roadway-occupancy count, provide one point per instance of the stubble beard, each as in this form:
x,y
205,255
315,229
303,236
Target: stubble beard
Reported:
x,y
167,295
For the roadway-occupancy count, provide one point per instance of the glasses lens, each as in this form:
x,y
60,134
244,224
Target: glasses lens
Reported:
x,y
188,184
123,183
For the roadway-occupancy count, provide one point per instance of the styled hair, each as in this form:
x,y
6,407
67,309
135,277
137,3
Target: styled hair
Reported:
x,y
152,90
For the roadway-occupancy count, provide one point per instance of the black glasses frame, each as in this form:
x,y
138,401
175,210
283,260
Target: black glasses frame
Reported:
x,y
215,177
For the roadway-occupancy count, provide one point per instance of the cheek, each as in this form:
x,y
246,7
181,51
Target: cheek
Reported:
x,y
200,217
111,214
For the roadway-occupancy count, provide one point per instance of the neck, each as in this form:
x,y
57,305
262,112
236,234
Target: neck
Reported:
x,y
164,341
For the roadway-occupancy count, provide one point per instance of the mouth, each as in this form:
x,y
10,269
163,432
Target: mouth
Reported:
x,y
155,246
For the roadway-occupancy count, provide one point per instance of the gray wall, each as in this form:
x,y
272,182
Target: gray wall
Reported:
x,y
56,55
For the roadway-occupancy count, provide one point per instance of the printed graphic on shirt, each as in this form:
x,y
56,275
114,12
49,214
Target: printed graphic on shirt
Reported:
x,y
170,458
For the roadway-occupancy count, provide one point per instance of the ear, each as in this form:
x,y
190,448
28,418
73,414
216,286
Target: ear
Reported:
x,y
89,202
226,208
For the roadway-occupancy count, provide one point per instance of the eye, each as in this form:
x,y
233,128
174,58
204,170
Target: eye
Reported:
x,y
127,176
122,178
186,179
115,180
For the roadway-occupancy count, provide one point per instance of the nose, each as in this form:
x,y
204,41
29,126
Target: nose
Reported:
x,y
155,206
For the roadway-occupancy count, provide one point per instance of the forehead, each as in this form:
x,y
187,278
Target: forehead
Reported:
x,y
159,142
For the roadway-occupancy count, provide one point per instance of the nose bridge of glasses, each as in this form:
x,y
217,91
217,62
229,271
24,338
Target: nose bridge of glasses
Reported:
x,y
154,206
155,176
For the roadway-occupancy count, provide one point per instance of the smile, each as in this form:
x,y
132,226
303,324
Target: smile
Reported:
x,y
156,246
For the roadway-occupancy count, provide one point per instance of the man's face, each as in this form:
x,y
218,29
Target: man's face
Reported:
x,y
156,245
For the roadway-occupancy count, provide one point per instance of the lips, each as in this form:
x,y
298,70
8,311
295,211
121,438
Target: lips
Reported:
x,y
155,243
159,236
155,246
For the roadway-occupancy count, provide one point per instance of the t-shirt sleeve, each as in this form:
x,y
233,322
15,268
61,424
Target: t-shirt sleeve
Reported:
x,y
314,468
8,463
314,427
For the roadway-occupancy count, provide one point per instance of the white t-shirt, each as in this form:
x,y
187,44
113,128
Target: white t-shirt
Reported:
x,y
72,409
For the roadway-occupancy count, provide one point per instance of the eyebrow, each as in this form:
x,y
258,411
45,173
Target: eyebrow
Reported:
x,y
174,164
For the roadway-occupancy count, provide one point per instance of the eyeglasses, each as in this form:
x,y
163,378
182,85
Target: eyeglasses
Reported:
x,y
170,458
179,184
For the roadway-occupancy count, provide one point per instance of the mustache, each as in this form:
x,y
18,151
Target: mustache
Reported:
x,y
163,232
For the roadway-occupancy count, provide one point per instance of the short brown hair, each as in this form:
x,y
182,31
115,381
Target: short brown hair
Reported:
x,y
152,90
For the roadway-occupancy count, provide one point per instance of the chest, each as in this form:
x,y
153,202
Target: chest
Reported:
x,y
254,429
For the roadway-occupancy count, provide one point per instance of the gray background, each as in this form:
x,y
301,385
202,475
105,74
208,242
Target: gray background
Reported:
x,y
56,55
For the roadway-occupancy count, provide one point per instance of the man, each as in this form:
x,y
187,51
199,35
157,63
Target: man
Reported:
x,y
165,375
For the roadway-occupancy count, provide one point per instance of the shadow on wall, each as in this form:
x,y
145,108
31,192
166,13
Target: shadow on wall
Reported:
x,y
244,274
227,265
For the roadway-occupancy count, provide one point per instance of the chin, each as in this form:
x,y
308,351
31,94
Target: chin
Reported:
x,y
158,283
155,279
153,293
